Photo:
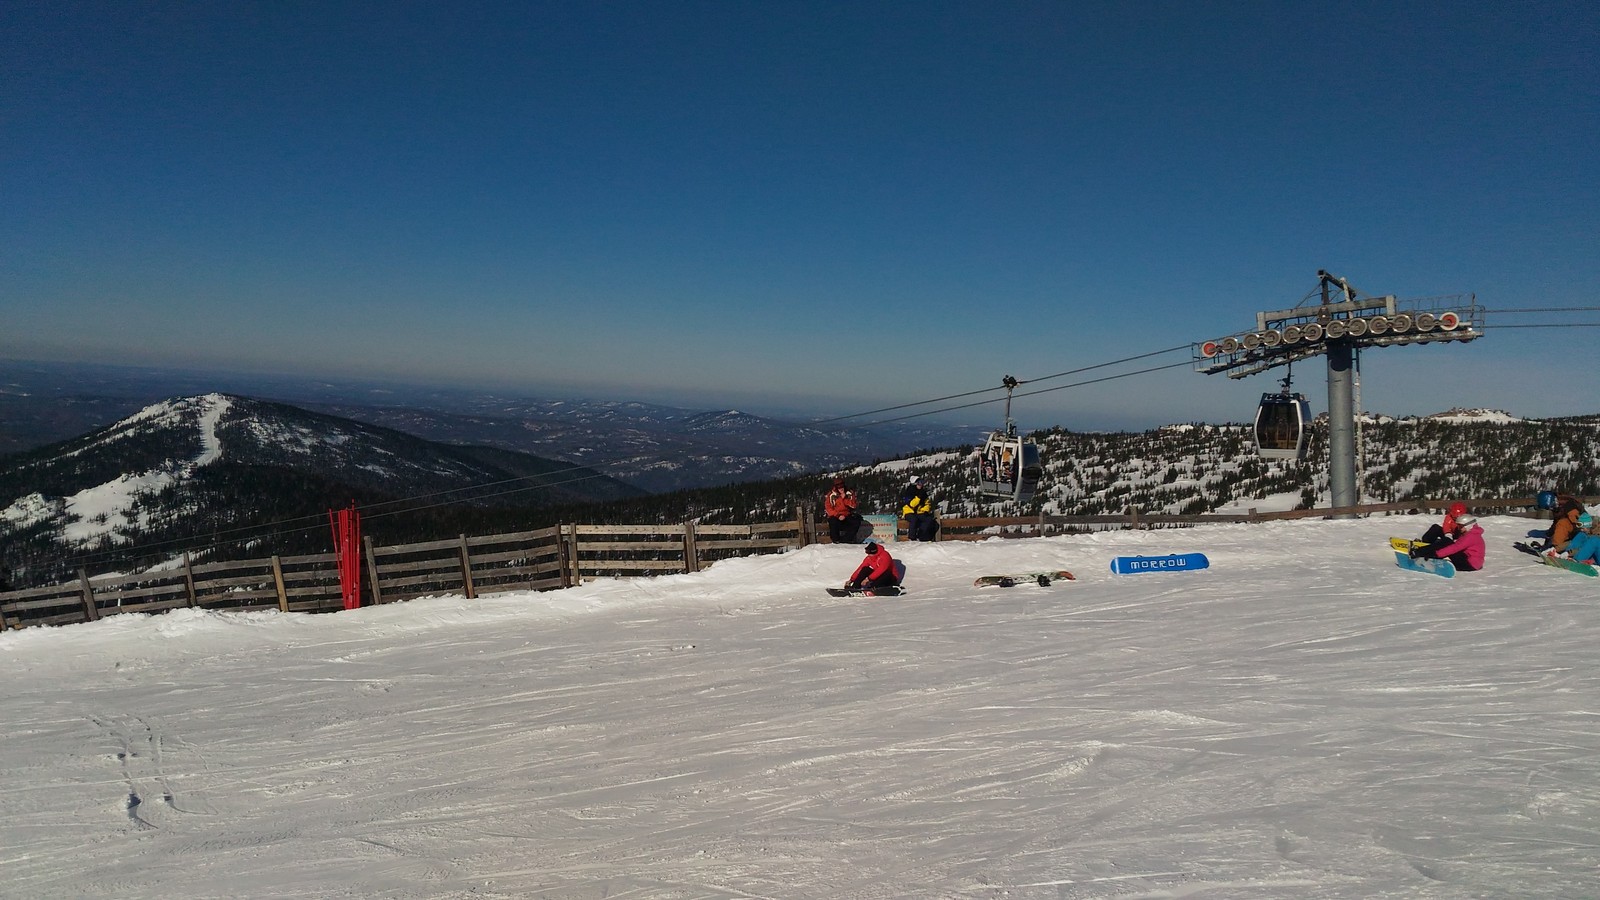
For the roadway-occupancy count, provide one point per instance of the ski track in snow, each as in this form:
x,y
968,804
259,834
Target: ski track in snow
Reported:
x,y
1328,728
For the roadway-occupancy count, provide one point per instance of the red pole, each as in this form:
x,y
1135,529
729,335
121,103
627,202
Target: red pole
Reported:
x,y
346,527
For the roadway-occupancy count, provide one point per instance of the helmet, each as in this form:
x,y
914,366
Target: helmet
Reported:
x,y
872,547
1466,520
1457,510
838,481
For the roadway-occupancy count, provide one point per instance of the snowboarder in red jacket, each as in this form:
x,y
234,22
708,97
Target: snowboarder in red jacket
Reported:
x,y
878,570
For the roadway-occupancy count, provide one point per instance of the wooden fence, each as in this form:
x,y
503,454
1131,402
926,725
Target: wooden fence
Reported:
x,y
549,559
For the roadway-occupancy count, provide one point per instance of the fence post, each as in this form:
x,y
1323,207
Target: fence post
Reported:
x,y
372,570
188,578
691,548
90,613
277,581
574,576
466,570
1133,517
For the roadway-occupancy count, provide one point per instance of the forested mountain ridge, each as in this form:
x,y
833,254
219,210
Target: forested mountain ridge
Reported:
x,y
1198,468
1190,469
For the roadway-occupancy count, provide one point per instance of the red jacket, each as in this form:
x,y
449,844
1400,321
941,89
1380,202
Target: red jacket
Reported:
x,y
875,566
841,502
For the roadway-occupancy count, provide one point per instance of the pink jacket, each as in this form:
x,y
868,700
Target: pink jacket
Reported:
x,y
1469,542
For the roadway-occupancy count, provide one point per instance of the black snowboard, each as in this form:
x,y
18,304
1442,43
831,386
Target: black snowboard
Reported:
x,y
865,592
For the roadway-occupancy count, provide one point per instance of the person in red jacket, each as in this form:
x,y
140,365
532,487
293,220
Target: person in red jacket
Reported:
x,y
1446,532
1465,552
840,507
878,570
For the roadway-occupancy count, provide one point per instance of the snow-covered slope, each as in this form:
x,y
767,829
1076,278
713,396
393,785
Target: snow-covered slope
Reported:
x,y
1303,720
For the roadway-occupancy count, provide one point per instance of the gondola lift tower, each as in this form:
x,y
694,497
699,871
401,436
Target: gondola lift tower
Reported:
x,y
1339,327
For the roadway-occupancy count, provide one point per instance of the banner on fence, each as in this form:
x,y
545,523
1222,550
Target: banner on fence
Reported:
x,y
878,527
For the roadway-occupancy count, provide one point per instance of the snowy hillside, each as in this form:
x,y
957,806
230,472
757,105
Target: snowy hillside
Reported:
x,y
1303,719
181,470
1199,468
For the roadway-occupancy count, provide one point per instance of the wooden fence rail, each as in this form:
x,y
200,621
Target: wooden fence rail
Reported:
x,y
548,559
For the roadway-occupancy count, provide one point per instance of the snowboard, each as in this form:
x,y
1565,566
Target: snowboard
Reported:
x,y
1441,567
1172,562
1571,565
1404,545
866,592
1043,579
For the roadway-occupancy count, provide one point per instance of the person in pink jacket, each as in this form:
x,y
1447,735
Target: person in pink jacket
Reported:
x,y
1465,552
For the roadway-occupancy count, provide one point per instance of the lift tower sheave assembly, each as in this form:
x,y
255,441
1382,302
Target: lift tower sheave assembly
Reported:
x,y
1339,327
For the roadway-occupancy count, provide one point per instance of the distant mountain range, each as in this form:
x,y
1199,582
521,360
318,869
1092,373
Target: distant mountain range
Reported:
x,y
653,447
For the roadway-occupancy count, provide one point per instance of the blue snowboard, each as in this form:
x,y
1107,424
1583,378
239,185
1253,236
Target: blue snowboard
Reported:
x,y
1442,567
1172,562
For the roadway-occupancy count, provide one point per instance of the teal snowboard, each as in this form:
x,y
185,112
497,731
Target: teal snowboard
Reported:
x,y
1571,565
1442,567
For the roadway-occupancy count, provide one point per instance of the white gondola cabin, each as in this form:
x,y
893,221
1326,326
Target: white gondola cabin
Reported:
x,y
1009,467
1283,426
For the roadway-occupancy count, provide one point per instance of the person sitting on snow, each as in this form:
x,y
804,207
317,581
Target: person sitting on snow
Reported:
x,y
1465,552
1585,544
1565,524
877,570
1446,531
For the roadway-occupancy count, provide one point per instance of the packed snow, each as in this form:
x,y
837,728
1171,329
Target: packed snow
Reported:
x,y
1302,719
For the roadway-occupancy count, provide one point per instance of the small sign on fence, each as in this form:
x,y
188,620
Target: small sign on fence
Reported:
x,y
878,527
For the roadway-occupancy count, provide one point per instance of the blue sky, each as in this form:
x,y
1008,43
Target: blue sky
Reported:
x,y
832,207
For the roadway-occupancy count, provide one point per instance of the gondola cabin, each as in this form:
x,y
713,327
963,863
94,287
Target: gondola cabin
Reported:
x,y
1009,468
1283,426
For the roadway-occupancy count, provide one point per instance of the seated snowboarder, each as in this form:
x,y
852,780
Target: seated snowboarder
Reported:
x,y
1446,531
1465,552
877,570
1568,509
1585,544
